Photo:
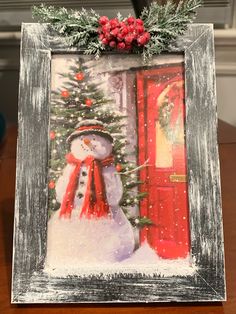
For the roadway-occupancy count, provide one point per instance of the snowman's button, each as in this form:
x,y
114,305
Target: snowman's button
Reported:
x,y
84,173
81,182
80,195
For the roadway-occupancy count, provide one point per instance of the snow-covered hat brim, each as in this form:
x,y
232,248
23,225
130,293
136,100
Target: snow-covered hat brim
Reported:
x,y
102,133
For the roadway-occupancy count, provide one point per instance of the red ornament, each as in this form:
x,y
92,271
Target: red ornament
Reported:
x,y
103,20
108,36
105,41
51,184
115,31
79,76
131,28
140,29
118,167
52,135
120,37
106,28
112,44
147,35
101,36
139,22
122,34
143,39
65,94
135,34
88,102
121,46
124,30
129,38
114,23
131,20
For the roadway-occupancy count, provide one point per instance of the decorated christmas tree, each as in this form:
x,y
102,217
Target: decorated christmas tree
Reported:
x,y
80,99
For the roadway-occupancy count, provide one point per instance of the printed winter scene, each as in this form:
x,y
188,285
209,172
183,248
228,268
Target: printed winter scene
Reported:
x,y
118,199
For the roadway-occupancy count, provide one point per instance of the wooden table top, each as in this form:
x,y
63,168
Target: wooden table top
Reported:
x,y
227,149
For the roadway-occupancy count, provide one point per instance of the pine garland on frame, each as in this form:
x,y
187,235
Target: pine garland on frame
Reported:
x,y
152,33
155,31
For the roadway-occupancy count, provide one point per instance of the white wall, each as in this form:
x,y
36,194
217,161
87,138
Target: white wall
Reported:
x,y
225,42
226,98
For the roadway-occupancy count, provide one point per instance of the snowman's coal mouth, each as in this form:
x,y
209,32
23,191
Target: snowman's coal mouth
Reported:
x,y
87,149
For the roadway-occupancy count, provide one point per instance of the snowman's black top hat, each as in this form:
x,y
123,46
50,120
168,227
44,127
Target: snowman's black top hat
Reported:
x,y
90,127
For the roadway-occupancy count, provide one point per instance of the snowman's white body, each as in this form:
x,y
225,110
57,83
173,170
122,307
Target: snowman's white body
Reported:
x,y
77,241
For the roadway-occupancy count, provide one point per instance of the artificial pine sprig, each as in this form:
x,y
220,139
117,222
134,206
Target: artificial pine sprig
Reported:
x,y
165,23
157,28
140,222
78,27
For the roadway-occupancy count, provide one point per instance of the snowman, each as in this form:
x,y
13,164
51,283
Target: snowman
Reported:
x,y
90,227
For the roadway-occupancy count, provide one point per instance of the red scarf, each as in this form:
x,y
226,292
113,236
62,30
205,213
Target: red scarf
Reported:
x,y
95,202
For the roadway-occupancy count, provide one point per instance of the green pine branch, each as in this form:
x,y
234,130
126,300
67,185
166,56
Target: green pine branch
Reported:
x,y
134,184
80,28
140,222
165,23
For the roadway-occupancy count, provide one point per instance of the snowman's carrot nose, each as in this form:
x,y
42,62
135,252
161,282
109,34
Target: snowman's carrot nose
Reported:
x,y
87,141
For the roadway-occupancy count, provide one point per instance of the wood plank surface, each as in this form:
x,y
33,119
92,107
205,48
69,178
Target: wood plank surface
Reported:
x,y
7,186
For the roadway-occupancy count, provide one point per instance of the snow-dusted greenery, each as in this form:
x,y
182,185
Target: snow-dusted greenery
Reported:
x,y
80,28
166,22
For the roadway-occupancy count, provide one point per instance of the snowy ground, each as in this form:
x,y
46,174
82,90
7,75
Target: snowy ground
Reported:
x,y
104,247
144,261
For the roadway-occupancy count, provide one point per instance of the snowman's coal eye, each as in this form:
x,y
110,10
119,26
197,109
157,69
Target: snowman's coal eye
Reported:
x,y
93,139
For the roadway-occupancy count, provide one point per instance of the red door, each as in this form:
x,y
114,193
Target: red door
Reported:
x,y
161,111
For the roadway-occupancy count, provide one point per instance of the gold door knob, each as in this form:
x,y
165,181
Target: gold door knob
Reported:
x,y
178,178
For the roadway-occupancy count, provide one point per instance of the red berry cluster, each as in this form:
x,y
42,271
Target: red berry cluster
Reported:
x,y
122,35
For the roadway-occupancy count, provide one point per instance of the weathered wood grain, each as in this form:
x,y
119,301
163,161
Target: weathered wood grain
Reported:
x,y
30,284
203,163
32,159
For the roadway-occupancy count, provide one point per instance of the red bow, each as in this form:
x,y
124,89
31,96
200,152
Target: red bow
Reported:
x,y
95,202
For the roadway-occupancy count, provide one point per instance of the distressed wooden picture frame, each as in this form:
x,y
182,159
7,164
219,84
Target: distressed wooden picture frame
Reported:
x,y
29,283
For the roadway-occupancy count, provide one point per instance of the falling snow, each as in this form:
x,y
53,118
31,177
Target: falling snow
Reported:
x,y
90,256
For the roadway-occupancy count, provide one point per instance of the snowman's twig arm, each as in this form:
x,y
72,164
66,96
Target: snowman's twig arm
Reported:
x,y
137,168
